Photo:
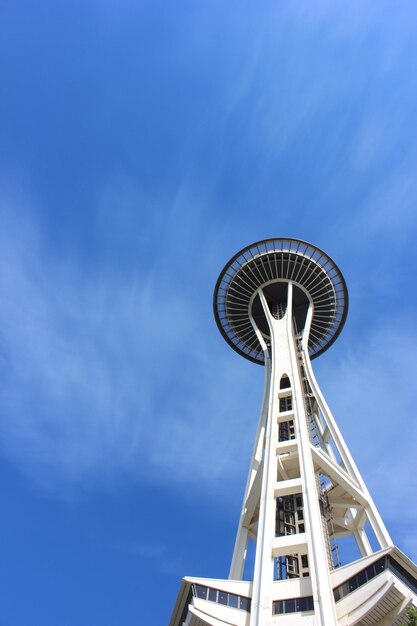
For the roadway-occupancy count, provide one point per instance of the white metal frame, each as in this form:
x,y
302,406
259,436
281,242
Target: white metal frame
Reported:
x,y
264,485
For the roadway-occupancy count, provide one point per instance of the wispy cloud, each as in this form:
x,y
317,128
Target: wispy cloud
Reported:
x,y
103,373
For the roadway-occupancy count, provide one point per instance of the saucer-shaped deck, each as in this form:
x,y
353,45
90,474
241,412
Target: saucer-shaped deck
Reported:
x,y
271,264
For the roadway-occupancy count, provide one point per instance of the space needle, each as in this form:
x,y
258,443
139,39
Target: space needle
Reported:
x,y
281,303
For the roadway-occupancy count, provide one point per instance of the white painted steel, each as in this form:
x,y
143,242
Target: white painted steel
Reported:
x,y
284,357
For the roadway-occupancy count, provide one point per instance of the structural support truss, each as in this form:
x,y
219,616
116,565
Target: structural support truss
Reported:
x,y
303,489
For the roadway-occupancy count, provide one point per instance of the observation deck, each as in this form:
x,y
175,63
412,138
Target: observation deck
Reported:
x,y
271,264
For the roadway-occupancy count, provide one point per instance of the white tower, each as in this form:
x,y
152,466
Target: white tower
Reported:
x,y
281,303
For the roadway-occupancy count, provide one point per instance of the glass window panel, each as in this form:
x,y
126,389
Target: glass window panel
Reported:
x,y
362,578
278,607
290,606
233,600
222,597
201,591
344,589
284,382
244,603
293,605
213,595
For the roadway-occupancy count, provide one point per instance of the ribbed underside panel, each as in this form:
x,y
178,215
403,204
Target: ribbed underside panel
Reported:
x,y
279,260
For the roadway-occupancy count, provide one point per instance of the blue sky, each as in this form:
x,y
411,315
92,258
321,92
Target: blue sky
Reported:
x,y
142,144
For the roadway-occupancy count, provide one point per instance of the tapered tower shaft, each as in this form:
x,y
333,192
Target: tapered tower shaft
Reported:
x,y
287,492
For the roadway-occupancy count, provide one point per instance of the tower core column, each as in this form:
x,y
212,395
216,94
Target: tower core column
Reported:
x,y
273,543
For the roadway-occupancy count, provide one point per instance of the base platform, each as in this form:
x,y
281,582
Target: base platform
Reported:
x,y
374,590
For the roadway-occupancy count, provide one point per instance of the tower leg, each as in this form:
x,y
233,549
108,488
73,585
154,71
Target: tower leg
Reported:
x,y
255,471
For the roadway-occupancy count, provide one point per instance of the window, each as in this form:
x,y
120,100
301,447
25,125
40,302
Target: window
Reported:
x,y
293,605
213,595
283,432
201,591
285,382
233,601
360,579
304,561
289,519
286,567
285,404
286,431
220,597
304,604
